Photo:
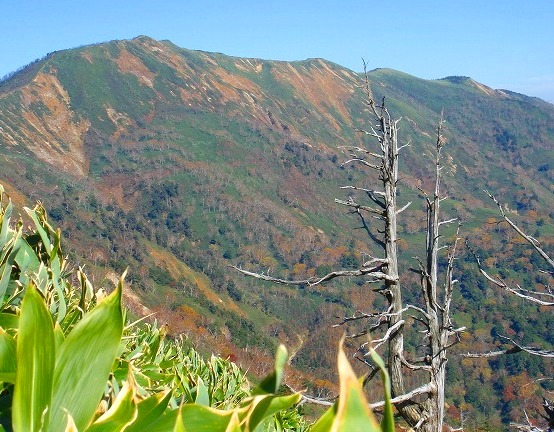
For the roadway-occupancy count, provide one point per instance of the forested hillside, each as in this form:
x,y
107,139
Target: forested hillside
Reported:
x,y
178,164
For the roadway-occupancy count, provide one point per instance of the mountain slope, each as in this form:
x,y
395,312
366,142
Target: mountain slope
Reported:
x,y
178,163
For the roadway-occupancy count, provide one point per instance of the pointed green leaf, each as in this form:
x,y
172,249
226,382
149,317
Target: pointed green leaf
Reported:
x,y
149,411
6,268
9,321
194,418
353,413
234,424
84,362
271,383
165,422
7,357
387,423
262,407
55,268
43,234
121,414
325,422
179,426
27,259
198,418
56,249
70,427
59,337
41,278
5,222
35,363
202,396
87,290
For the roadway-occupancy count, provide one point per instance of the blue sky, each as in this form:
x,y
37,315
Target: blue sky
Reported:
x,y
504,44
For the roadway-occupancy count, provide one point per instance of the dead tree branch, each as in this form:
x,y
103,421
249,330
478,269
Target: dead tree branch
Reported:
x,y
548,408
532,296
516,348
374,271
532,241
408,397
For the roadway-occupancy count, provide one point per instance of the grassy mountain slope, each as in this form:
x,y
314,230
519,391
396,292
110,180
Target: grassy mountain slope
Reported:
x,y
178,163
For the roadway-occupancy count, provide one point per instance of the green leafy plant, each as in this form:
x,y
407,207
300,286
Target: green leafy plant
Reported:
x,y
61,379
159,363
351,412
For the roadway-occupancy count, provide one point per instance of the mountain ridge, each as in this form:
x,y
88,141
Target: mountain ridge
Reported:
x,y
454,78
143,74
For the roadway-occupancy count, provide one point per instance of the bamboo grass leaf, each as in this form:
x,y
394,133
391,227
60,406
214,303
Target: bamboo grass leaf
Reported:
x,y
84,363
9,321
387,423
7,357
272,382
43,234
202,396
121,414
199,418
35,363
351,412
263,407
5,222
149,411
6,268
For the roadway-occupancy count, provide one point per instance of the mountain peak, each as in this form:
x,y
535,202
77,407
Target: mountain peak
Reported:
x,y
456,79
465,80
144,38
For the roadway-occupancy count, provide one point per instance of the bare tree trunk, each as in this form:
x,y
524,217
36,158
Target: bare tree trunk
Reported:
x,y
393,293
437,316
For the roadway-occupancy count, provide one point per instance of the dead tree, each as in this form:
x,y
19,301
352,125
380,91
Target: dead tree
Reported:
x,y
422,407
